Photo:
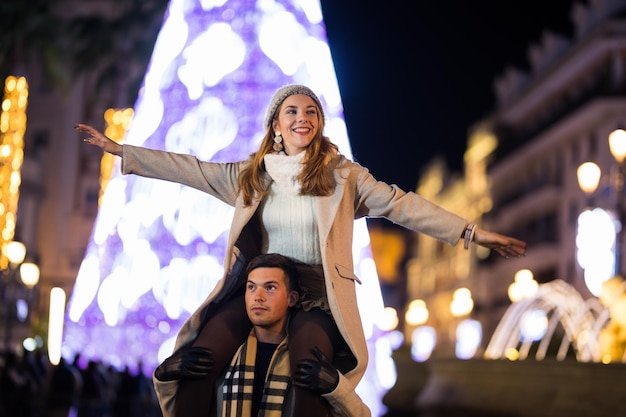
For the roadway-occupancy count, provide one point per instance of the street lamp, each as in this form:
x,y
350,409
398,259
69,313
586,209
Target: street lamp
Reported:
x,y
462,303
617,145
417,313
28,274
524,286
589,177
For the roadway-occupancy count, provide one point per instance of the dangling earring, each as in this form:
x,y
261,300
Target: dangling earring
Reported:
x,y
278,138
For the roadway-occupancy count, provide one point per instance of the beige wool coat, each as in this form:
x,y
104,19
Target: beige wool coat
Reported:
x,y
357,194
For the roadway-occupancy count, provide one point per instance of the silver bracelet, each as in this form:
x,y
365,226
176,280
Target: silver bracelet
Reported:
x,y
470,230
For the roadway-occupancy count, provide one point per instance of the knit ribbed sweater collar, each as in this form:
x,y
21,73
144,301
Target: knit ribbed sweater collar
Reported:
x,y
284,170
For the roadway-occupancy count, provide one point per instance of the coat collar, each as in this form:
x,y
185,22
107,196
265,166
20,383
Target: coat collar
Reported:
x,y
327,206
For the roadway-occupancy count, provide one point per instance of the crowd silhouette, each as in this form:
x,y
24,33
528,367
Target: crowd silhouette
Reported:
x,y
31,387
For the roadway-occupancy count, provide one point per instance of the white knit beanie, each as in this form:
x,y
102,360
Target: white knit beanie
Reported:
x,y
285,92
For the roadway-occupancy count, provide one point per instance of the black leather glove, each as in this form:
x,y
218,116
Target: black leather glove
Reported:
x,y
319,376
187,363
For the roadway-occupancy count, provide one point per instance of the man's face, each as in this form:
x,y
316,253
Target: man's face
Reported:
x,y
268,298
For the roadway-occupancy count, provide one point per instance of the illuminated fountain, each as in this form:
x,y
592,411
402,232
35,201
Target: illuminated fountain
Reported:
x,y
595,329
537,319
550,324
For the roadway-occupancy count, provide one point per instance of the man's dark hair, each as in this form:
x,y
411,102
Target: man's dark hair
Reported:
x,y
275,260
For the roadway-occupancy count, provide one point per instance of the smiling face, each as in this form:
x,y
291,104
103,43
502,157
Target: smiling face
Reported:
x,y
268,299
297,121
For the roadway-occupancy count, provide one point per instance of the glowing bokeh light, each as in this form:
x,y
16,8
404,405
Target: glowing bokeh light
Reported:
x,y
387,374
29,344
595,243
512,354
417,313
462,303
12,127
588,174
533,325
469,335
396,339
55,324
523,286
388,320
423,340
617,144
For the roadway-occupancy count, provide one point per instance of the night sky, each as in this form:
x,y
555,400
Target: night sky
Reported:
x,y
414,75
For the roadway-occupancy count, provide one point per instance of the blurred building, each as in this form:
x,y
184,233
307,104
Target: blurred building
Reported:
x,y
60,183
520,175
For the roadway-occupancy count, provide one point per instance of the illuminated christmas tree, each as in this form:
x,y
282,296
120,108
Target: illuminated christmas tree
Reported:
x,y
156,249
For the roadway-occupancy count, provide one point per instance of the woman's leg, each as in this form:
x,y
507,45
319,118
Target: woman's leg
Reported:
x,y
308,329
223,333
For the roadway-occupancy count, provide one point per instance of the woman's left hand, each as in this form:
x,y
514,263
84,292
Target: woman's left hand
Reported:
x,y
98,139
504,245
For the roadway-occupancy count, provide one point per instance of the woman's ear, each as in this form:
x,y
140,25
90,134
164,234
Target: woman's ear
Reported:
x,y
294,296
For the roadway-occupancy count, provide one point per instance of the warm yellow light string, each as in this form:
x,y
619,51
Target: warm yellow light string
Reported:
x,y
12,129
117,122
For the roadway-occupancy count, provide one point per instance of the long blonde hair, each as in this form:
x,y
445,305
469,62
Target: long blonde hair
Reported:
x,y
316,177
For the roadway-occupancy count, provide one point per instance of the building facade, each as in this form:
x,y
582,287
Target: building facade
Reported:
x,y
60,184
520,175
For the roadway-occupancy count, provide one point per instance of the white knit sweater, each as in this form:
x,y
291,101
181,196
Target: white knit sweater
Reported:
x,y
289,219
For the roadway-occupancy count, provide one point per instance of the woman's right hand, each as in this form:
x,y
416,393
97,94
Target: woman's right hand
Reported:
x,y
98,139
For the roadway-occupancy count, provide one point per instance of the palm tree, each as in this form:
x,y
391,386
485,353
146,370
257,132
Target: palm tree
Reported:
x,y
117,48
113,48
31,36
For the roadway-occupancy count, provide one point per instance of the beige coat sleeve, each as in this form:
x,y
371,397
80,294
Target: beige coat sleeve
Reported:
x,y
345,402
378,199
216,179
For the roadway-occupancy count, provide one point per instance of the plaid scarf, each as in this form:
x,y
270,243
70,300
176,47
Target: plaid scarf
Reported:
x,y
239,380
